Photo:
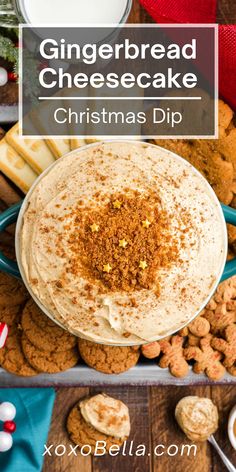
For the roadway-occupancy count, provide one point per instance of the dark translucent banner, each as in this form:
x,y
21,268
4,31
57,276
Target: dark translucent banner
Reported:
x,y
137,80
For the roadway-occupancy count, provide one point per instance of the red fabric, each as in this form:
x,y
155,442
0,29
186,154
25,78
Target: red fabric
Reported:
x,y
181,11
202,11
227,63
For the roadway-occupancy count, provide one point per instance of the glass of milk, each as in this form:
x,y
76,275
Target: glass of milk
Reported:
x,y
69,12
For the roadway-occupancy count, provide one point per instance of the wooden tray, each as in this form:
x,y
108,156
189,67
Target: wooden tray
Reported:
x,y
149,374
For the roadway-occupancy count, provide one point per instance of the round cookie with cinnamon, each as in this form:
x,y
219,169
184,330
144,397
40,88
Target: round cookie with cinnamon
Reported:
x,y
50,362
99,418
42,332
108,359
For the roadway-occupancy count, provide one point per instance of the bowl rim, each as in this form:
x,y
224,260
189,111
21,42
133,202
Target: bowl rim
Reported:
x,y
24,206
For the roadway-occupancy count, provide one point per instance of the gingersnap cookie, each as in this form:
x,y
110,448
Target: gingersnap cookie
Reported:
x,y
12,357
108,359
12,291
10,314
98,418
46,361
42,332
214,158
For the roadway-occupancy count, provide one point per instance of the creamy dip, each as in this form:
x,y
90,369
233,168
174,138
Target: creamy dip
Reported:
x,y
197,416
95,297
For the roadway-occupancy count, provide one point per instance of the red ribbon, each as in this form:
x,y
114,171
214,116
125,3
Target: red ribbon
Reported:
x,y
202,11
3,334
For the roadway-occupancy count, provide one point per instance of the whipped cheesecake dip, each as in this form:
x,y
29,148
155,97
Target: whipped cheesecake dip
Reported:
x,y
121,242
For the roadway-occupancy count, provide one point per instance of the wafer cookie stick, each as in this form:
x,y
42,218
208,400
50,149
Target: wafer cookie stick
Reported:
x,y
34,151
15,168
76,143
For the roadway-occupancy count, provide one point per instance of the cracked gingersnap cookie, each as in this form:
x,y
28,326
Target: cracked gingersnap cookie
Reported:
x,y
98,418
50,362
12,291
10,314
12,357
42,332
214,158
108,359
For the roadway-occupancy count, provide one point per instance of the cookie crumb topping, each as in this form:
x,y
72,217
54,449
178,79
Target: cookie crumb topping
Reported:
x,y
130,241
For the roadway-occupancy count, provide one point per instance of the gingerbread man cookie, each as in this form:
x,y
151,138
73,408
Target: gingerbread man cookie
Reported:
x,y
207,360
173,356
227,346
151,350
199,327
220,318
226,291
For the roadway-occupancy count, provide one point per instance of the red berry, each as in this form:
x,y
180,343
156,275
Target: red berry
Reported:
x,y
9,427
12,77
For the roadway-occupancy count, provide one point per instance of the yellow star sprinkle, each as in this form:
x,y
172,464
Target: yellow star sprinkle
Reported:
x,y
117,204
146,223
94,228
143,265
123,243
107,268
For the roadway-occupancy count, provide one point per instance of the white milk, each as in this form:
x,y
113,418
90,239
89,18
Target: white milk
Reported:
x,y
73,11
